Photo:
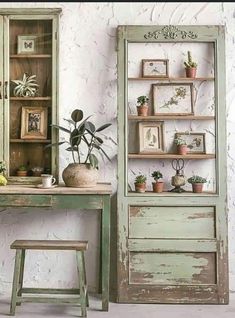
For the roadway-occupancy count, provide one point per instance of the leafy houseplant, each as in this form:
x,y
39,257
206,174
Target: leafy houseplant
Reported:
x,y
3,180
142,107
140,183
190,66
182,147
82,133
157,185
22,171
197,183
27,87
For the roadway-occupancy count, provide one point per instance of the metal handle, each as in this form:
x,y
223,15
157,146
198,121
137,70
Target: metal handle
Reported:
x,y
0,90
5,88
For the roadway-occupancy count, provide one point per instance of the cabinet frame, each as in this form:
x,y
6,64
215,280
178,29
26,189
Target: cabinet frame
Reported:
x,y
28,14
216,293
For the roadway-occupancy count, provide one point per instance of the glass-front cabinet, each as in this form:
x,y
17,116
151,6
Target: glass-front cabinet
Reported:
x,y
28,92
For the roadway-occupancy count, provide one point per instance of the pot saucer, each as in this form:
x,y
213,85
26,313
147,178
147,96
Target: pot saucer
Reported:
x,y
41,187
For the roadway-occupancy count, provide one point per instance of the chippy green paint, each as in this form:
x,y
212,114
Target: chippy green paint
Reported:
x,y
184,230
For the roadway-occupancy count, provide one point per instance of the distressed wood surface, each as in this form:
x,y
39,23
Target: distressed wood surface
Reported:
x,y
50,245
171,222
100,188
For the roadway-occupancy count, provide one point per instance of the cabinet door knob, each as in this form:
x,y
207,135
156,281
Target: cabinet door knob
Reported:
x,y
0,90
5,88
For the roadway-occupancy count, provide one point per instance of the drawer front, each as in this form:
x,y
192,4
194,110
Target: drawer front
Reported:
x,y
171,222
172,268
25,200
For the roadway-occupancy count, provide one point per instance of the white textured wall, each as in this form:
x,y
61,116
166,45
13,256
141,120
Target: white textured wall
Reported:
x,y
88,80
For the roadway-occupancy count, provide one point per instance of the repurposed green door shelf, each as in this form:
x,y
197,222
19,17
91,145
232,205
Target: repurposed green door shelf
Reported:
x,y
172,247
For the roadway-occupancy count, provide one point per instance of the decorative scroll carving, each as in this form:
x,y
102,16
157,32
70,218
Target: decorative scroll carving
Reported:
x,y
170,32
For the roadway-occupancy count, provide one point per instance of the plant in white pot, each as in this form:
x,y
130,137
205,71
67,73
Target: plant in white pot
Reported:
x,y
83,172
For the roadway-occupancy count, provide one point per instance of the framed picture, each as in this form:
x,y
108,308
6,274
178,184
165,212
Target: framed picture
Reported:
x,y
151,137
155,68
27,44
173,99
34,123
196,142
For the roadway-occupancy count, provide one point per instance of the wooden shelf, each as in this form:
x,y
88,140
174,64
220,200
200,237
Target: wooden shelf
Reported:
x,y
170,117
171,79
31,98
30,56
28,141
170,156
168,193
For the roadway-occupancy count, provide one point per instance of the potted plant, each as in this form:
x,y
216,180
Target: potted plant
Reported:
x,y
197,183
157,185
83,142
140,183
182,147
27,87
3,180
22,171
190,66
142,107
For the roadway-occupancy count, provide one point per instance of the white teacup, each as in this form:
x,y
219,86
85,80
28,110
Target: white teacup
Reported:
x,y
47,180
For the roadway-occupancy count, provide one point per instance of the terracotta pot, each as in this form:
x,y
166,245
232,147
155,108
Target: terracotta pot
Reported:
x,y
80,175
191,72
21,173
140,187
197,187
158,186
182,149
142,110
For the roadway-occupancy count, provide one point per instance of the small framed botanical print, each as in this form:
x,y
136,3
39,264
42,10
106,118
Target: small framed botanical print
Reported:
x,y
155,68
151,137
196,142
34,123
173,99
27,44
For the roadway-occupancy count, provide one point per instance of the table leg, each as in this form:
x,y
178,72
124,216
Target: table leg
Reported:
x,y
105,252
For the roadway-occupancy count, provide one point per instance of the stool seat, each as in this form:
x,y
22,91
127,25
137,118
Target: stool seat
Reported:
x,y
50,245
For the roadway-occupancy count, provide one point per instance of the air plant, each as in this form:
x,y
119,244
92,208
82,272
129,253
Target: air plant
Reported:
x,y
27,87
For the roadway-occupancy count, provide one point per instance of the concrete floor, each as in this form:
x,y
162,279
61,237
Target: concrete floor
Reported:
x,y
120,310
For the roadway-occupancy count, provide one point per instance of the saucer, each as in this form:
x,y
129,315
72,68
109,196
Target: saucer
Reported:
x,y
41,187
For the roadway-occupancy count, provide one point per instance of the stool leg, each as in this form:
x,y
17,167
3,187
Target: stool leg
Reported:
x,y
81,275
21,278
15,285
83,261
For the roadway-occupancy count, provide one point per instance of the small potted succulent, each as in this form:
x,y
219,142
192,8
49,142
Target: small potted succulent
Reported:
x,y
3,180
190,66
157,185
140,183
27,87
142,108
182,147
197,183
22,171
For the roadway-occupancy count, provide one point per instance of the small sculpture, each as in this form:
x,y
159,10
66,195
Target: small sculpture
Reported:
x,y
178,180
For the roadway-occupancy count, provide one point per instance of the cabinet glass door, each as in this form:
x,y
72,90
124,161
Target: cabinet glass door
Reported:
x,y
30,105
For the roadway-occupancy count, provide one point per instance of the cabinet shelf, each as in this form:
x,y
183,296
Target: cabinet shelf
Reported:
x,y
30,56
170,117
28,141
168,193
170,156
171,79
31,98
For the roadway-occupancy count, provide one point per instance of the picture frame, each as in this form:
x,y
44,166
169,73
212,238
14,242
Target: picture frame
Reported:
x,y
34,122
151,137
173,99
155,68
27,44
196,141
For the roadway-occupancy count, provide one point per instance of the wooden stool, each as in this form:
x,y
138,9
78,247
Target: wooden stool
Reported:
x,y
18,290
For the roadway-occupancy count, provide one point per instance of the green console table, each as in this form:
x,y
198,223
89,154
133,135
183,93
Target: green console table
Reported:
x,y
61,197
